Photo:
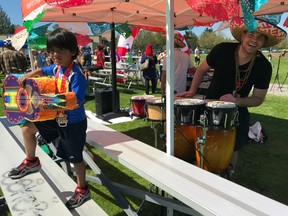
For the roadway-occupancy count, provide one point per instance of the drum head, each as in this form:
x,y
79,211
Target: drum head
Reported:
x,y
155,100
188,102
220,104
140,97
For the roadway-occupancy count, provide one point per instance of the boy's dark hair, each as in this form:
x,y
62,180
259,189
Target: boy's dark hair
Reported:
x,y
62,38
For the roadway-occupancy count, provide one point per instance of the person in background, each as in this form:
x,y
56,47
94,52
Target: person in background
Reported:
x,y
160,59
139,53
70,125
100,58
197,56
182,63
149,74
239,68
107,54
11,60
39,59
86,60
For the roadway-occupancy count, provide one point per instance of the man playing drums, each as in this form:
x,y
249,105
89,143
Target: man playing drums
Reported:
x,y
239,67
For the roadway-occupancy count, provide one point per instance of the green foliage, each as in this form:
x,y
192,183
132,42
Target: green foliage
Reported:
x,y
191,39
208,39
145,37
5,24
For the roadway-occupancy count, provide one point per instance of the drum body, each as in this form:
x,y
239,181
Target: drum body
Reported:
x,y
138,105
155,109
220,115
218,149
185,138
187,111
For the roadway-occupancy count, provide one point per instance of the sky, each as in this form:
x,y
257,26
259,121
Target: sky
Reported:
x,y
13,10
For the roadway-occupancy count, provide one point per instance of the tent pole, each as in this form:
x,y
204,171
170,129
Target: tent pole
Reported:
x,y
115,102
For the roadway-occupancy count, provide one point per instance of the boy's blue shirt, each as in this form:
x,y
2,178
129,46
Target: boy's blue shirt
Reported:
x,y
77,84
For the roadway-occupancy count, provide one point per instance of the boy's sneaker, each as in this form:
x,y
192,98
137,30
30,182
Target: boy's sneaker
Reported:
x,y
25,168
78,198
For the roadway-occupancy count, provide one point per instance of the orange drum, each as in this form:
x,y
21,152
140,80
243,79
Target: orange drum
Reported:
x,y
218,149
155,109
184,142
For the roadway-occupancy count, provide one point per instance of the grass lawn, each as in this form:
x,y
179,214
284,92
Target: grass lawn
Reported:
x,y
261,167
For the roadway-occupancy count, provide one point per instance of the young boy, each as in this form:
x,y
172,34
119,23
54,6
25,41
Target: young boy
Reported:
x,y
69,125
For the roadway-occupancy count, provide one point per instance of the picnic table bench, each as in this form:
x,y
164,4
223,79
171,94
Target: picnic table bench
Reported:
x,y
201,191
41,193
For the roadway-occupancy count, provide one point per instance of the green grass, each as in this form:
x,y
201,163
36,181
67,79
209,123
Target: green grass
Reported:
x,y
261,167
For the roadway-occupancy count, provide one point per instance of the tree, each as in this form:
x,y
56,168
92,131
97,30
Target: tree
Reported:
x,y
145,37
191,39
208,39
5,24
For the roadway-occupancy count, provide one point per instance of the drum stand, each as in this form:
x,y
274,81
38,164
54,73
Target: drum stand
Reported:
x,y
155,126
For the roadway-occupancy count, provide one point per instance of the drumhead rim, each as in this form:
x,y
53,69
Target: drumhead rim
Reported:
x,y
197,101
220,105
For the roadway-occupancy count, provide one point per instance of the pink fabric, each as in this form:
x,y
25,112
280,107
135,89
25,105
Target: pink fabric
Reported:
x,y
68,3
218,9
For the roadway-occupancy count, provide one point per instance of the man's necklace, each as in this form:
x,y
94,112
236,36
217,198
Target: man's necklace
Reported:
x,y
239,83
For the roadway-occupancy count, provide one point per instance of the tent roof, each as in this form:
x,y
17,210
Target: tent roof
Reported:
x,y
148,13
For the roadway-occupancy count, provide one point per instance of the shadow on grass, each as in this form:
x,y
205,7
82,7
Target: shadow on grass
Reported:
x,y
118,173
262,167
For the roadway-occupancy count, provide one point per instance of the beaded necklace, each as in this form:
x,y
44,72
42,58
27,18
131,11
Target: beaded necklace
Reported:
x,y
239,83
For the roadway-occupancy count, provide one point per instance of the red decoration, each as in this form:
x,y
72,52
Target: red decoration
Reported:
x,y
18,29
285,24
218,9
68,3
82,40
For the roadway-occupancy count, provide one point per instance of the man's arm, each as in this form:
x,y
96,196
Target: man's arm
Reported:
x,y
256,99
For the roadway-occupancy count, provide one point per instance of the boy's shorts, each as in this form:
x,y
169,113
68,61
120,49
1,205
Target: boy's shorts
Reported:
x,y
72,138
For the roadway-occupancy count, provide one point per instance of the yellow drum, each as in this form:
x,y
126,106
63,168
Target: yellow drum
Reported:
x,y
155,109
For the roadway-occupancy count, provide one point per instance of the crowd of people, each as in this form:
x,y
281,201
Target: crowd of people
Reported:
x,y
239,68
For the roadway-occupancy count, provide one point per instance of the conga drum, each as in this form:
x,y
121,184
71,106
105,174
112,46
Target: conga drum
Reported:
x,y
219,124
187,111
155,109
185,138
221,115
218,149
138,105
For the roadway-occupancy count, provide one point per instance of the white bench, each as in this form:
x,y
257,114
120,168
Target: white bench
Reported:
x,y
206,193
40,193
